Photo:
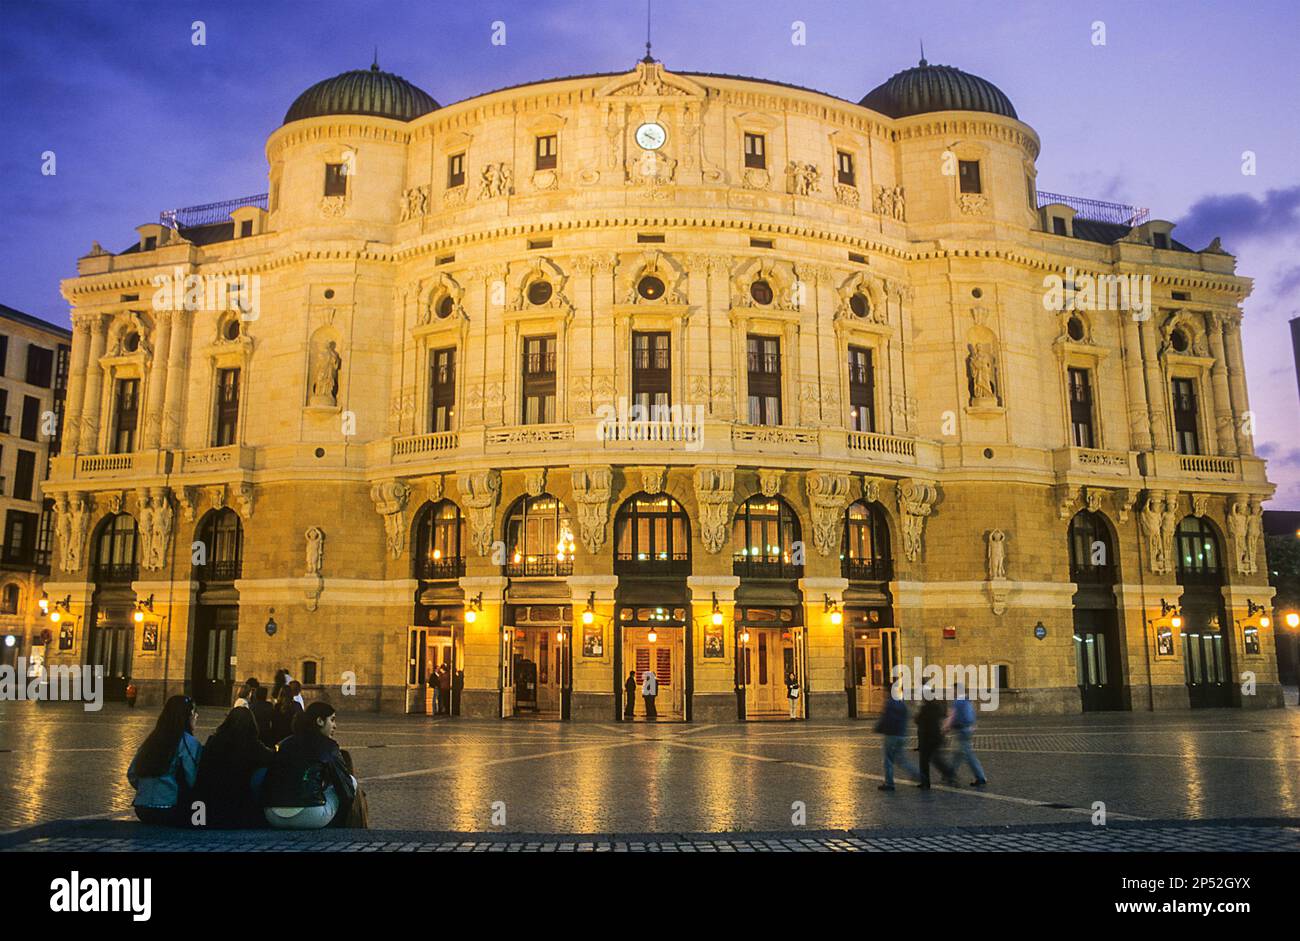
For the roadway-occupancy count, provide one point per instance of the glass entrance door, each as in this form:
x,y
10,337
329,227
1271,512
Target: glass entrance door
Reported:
x,y
418,694
769,657
1096,659
1205,659
214,655
110,647
875,653
657,650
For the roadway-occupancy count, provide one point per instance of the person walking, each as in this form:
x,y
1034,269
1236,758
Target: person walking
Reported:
x,y
929,737
892,724
629,695
792,693
649,690
961,722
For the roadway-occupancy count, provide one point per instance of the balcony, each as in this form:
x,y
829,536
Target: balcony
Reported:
x,y
433,570
554,434
538,567
210,213
865,570
1209,467
765,568
130,464
780,438
228,457
889,447
1097,210
676,565
412,447
115,573
1094,461
219,570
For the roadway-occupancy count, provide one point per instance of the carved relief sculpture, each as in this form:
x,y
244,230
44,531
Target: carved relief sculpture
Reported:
x,y
1254,535
804,178
315,537
1149,518
997,554
981,367
828,495
915,500
480,491
713,492
1238,528
390,498
591,490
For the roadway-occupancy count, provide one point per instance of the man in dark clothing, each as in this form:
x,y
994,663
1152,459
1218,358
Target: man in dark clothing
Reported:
x,y
893,726
264,713
444,690
929,738
629,695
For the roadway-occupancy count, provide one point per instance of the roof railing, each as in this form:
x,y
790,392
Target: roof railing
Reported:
x,y
210,213
1098,210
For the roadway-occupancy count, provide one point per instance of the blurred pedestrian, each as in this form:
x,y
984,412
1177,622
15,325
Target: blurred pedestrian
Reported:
x,y
629,695
649,690
929,736
892,724
961,722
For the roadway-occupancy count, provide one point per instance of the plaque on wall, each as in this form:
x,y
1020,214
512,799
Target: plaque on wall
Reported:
x,y
593,642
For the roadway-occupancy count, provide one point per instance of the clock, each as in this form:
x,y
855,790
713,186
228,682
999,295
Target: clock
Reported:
x,y
651,136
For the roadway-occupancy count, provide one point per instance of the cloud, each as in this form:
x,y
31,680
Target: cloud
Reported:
x,y
1240,217
1288,282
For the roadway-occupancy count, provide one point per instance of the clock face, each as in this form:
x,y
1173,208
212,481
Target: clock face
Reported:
x,y
651,136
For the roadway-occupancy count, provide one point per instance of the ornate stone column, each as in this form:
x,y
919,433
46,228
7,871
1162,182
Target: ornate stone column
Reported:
x,y
1237,382
1139,407
170,413
157,379
89,439
1224,425
71,432
1155,387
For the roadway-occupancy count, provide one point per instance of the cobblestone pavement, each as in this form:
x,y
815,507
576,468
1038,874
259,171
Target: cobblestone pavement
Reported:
x,y
445,776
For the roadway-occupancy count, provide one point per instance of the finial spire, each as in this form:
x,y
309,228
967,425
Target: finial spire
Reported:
x,y
374,66
648,56
923,62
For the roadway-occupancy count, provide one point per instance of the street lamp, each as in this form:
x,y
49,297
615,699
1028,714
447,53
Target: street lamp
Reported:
x,y
837,616
1252,609
716,616
1292,619
589,615
140,607
473,608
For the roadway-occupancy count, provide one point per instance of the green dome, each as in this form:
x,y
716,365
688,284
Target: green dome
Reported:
x,y
928,88
362,91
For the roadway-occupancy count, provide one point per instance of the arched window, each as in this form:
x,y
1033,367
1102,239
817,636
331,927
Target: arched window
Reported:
x,y
539,537
763,540
1092,552
439,535
115,550
9,599
652,536
864,549
222,535
1197,547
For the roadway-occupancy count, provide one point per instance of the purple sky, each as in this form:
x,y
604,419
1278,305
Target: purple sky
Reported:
x,y
142,120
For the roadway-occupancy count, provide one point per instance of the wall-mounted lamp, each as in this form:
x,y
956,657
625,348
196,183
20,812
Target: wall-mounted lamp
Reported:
x,y
716,616
744,636
473,608
833,607
1166,609
1253,609
652,636
60,608
140,607
44,603
589,615
1291,619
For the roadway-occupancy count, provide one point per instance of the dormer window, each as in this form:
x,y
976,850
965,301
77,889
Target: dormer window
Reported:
x,y
336,179
548,149
246,228
1160,240
756,151
1058,226
968,176
150,242
455,170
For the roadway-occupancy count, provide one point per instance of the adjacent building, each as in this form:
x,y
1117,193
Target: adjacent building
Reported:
x,y
713,377
33,381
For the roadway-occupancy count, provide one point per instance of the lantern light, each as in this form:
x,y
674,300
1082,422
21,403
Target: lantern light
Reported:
x,y
652,636
473,608
837,616
1292,619
589,615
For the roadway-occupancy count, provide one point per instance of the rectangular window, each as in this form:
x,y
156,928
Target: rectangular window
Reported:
x,y
539,380
862,390
755,151
442,389
4,352
1161,240
336,179
844,168
226,419
31,417
1031,192
150,243
651,373
40,366
455,170
246,228
968,176
548,149
763,355
4,411
1081,428
1184,395
126,411
45,534
24,474
1058,226
20,536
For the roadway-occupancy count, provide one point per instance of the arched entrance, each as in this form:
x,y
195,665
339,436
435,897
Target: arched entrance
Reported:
x,y
871,647
110,636
436,635
537,641
1207,635
1098,643
652,629
213,664
771,647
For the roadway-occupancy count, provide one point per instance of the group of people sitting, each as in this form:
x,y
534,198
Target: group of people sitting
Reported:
x,y
265,765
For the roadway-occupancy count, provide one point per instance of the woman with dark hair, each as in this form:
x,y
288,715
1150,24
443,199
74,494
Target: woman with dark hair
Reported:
x,y
231,772
309,785
264,713
166,767
287,709
281,678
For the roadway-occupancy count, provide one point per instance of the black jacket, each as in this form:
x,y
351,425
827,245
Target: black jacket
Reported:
x,y
264,713
282,721
304,766
929,722
230,757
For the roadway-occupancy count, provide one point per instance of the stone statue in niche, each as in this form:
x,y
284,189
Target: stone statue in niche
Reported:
x,y
981,366
325,376
997,555
315,550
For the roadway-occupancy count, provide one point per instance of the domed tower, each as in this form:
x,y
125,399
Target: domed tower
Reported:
x,y
963,154
340,156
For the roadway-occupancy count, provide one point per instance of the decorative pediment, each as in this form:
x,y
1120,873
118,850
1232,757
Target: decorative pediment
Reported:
x,y
441,301
541,270
653,264
651,80
861,298
780,277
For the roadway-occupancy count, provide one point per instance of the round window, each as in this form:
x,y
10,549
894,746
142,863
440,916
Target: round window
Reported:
x,y
650,287
761,292
444,308
976,293
131,342
231,332
1075,328
859,304
539,292
1178,339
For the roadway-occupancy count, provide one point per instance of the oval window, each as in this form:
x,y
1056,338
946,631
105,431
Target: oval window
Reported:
x,y
232,329
650,287
761,292
1075,328
1178,339
859,304
539,292
444,308
131,343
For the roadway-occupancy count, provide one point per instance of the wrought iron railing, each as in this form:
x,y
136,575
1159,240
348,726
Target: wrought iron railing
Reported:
x,y
765,568
527,568
1097,210
210,213
625,563
115,572
430,570
865,570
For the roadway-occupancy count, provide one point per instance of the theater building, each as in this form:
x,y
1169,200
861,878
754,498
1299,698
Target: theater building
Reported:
x,y
710,376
